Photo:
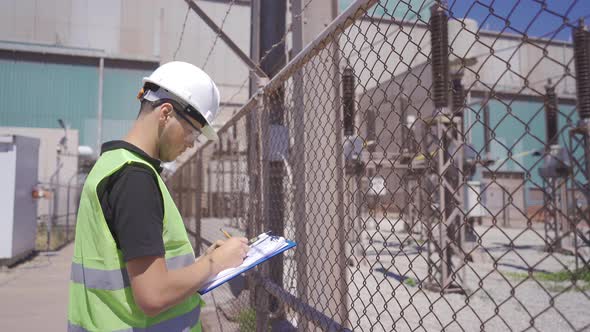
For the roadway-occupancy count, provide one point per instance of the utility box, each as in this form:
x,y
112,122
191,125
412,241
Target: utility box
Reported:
x,y
18,209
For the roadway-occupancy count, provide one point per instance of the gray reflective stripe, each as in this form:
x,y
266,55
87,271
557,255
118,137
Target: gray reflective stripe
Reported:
x,y
100,279
182,323
181,261
118,279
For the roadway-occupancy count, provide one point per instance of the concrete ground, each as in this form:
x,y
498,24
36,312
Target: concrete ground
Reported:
x,y
34,294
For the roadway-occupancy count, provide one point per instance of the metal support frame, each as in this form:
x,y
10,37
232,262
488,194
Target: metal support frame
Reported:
x,y
579,182
555,203
447,223
230,43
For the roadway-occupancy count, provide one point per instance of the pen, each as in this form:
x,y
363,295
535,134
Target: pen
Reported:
x,y
225,233
254,239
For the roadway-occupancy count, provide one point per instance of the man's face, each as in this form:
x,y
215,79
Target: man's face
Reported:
x,y
177,135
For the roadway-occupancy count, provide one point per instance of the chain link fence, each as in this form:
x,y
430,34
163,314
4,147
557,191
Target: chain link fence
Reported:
x,y
58,201
57,228
433,172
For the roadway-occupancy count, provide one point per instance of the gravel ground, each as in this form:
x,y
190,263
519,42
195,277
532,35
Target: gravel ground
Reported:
x,y
386,291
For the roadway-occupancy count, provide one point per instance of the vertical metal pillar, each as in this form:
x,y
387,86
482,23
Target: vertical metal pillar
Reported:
x,y
99,108
252,132
272,28
199,201
222,156
299,205
180,191
349,116
209,188
234,203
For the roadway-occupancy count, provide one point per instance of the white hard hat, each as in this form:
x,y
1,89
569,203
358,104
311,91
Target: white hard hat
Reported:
x,y
188,85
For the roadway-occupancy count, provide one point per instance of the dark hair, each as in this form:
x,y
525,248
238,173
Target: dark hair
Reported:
x,y
145,107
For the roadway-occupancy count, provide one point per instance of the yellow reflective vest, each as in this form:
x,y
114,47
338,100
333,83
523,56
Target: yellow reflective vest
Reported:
x,y
101,298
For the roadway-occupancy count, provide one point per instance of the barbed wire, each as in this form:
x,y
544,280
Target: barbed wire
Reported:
x,y
231,4
188,9
242,86
268,52
263,57
410,17
284,38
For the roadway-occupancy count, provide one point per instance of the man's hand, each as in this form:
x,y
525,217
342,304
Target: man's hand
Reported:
x,y
229,253
214,246
155,288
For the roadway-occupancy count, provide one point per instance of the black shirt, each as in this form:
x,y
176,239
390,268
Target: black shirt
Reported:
x,y
132,205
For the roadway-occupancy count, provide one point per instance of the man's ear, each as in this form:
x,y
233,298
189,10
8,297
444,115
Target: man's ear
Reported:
x,y
165,112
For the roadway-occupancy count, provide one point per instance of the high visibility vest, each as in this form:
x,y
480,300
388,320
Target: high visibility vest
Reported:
x,y
101,298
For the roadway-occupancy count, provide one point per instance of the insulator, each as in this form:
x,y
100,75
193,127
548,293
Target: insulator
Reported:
x,y
371,128
486,124
371,125
403,103
439,38
581,38
458,100
551,114
348,100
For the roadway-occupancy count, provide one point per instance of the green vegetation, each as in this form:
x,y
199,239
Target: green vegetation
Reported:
x,y
582,274
247,320
410,282
553,281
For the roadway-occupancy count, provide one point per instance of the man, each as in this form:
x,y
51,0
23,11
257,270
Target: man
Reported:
x,y
134,268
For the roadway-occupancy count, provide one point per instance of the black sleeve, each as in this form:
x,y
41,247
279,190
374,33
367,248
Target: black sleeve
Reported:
x,y
137,213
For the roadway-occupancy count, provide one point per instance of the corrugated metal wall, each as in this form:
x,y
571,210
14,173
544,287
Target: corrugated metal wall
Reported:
x,y
120,107
36,94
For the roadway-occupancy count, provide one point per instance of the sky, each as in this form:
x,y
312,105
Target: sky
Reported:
x,y
537,18
525,15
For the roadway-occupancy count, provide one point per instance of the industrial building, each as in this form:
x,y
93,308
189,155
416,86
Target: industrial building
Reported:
x,y
72,70
518,72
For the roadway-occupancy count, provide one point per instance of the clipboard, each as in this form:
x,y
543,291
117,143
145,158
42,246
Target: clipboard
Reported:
x,y
227,275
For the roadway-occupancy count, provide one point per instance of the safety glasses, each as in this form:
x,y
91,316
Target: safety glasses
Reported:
x,y
196,132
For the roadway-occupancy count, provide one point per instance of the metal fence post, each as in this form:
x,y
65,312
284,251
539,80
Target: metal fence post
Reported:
x,y
262,298
198,201
299,161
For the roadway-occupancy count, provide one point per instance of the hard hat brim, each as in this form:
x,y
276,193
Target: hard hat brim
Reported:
x,y
210,133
